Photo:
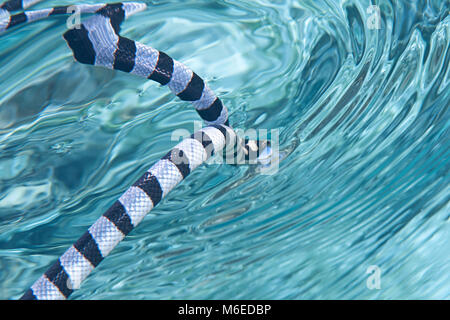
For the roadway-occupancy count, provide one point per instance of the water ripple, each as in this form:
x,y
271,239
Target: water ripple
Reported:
x,y
363,116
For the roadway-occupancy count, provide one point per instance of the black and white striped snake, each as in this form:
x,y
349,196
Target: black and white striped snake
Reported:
x,y
97,42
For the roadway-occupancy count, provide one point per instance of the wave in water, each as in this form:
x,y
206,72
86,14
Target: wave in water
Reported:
x,y
362,109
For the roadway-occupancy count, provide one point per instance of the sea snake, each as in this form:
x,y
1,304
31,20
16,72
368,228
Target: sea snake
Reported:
x,y
97,42
14,5
9,20
67,273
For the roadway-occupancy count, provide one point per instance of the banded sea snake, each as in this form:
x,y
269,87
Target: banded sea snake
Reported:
x,y
97,42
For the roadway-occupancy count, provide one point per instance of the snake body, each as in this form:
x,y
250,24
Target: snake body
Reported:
x,y
16,5
67,273
97,42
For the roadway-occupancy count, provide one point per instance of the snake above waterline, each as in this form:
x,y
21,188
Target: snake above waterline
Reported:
x,y
97,42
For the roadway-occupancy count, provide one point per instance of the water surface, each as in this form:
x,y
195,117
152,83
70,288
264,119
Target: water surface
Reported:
x,y
363,117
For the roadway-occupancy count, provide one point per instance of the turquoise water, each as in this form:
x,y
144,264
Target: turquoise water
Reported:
x,y
363,118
